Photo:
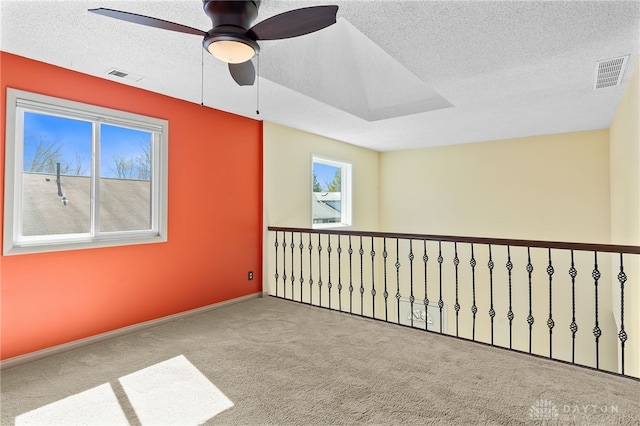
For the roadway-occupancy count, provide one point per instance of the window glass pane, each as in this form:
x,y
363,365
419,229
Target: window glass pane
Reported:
x,y
327,193
125,179
56,187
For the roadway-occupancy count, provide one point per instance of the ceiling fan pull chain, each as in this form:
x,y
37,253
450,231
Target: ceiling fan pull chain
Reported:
x,y
258,86
201,77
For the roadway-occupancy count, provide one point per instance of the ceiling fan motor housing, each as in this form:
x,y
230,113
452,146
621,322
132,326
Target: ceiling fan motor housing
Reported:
x,y
231,13
230,21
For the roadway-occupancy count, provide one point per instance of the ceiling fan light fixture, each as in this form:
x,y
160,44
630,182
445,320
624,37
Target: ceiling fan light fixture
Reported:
x,y
231,48
231,51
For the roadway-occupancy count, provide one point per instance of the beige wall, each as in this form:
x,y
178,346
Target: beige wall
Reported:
x,y
624,136
553,187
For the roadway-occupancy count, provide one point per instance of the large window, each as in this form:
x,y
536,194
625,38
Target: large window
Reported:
x,y
80,176
330,193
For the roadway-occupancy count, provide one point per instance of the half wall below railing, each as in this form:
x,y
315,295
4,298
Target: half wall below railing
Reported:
x,y
571,302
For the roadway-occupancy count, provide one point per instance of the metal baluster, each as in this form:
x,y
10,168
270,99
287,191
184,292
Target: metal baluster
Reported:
x,y
474,308
596,329
440,301
530,318
373,281
425,259
361,253
276,274
550,322
350,276
411,296
293,278
301,246
310,271
386,293
622,335
398,279
573,326
319,271
492,312
456,262
510,315
339,273
284,264
329,285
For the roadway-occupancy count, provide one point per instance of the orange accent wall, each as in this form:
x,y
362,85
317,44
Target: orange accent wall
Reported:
x,y
214,229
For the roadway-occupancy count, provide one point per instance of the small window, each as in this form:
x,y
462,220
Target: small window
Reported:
x,y
331,193
80,176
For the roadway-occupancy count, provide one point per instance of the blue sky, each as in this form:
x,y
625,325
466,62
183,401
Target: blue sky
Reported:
x,y
74,137
324,173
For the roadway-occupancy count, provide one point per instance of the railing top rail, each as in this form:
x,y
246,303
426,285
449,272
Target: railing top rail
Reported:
x,y
604,248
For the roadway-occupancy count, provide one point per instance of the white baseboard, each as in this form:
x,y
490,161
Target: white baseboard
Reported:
x,y
76,344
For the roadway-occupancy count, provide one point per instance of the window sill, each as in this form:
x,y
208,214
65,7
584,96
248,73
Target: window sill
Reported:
x,y
80,244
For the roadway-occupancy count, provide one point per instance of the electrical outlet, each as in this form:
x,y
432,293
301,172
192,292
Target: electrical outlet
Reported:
x,y
250,275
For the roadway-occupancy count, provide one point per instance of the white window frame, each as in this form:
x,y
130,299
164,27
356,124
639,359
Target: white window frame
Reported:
x,y
18,102
345,191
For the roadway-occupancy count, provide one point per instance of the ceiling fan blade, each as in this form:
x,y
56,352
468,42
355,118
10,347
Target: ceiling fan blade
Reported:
x,y
148,21
294,23
244,73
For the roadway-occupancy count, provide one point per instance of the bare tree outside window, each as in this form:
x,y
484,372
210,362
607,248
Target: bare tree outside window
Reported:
x,y
133,167
46,156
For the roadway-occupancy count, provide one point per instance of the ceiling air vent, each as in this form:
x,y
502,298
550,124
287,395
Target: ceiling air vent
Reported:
x,y
609,73
123,74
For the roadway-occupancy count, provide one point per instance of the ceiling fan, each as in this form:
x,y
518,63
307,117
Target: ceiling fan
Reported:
x,y
231,39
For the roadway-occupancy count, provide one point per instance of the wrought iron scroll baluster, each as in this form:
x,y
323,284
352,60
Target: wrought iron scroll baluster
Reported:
x,y
456,262
310,271
596,328
398,279
319,271
530,318
350,251
293,278
550,322
386,292
510,315
425,259
474,308
301,247
373,281
622,335
440,301
361,253
411,296
573,326
492,312
329,284
339,273
284,264
277,277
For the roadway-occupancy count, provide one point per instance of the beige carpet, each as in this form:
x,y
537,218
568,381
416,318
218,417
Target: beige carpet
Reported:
x,y
280,362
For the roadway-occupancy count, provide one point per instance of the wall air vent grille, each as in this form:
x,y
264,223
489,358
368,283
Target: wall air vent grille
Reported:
x,y
123,74
609,73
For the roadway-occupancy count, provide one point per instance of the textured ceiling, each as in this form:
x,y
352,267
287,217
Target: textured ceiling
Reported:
x,y
389,75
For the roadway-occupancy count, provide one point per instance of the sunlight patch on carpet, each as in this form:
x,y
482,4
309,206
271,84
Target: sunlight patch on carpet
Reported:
x,y
173,392
96,406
